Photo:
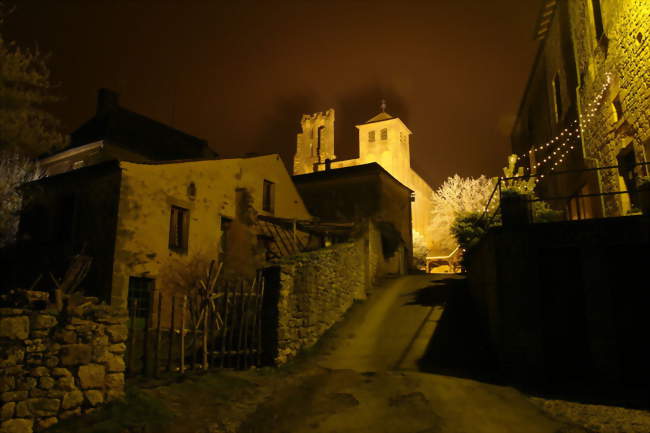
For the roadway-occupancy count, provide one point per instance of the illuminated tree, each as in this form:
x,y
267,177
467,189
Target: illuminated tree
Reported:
x,y
15,170
25,89
420,250
26,129
456,196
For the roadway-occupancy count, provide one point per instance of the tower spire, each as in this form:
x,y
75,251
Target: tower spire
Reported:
x,y
383,105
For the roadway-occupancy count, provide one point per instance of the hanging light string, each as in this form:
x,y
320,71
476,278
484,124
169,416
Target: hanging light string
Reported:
x,y
572,132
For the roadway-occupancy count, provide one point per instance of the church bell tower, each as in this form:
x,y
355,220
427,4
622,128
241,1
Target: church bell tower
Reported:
x,y
315,144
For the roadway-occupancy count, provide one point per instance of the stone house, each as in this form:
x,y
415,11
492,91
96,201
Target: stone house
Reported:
x,y
115,133
146,223
364,193
384,140
586,104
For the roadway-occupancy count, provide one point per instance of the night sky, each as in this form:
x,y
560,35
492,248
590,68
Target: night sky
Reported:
x,y
241,73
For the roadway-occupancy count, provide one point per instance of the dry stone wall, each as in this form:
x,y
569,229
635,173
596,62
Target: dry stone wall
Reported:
x,y
624,52
53,367
316,289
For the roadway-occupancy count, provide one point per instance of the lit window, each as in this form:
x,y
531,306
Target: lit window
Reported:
x,y
384,134
179,228
268,196
371,136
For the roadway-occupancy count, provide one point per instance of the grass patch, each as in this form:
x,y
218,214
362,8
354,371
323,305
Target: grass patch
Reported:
x,y
137,410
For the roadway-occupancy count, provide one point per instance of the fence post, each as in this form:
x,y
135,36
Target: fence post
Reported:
x,y
172,326
224,333
205,339
146,365
182,339
259,319
242,313
156,364
131,342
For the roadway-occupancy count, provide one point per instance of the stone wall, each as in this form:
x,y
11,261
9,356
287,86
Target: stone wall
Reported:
x,y
623,50
53,367
316,289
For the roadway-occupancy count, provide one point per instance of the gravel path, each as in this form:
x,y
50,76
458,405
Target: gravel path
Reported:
x,y
597,418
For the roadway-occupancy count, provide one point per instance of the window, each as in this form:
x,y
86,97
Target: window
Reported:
x,y
557,96
598,18
626,170
321,135
179,228
140,290
580,207
371,136
191,191
384,134
617,108
268,196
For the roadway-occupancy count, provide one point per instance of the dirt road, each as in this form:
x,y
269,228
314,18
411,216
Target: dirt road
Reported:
x,y
368,376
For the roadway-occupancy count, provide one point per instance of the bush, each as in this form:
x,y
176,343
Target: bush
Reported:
x,y
542,213
468,229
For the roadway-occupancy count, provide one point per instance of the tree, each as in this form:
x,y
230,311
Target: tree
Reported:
x,y
26,128
15,170
25,89
456,196
420,250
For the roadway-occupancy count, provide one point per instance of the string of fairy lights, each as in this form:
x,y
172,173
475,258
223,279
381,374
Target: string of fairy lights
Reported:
x,y
559,147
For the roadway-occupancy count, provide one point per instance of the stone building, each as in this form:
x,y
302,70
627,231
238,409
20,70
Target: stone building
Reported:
x,y
587,103
117,133
384,140
364,193
144,224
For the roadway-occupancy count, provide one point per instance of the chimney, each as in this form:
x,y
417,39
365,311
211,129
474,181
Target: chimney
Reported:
x,y
107,100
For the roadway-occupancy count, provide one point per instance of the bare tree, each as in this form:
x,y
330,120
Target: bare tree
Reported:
x,y
15,170
455,196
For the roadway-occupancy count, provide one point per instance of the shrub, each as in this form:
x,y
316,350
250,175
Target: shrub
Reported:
x,y
468,229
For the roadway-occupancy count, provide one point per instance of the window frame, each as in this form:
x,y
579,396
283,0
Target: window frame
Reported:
x,y
268,196
371,136
383,134
179,228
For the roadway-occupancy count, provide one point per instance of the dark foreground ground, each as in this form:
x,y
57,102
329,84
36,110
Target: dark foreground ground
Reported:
x,y
410,359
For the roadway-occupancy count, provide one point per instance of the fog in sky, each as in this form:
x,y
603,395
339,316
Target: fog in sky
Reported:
x,y
241,73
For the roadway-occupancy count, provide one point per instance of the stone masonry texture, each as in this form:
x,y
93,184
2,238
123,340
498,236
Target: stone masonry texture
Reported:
x,y
53,367
316,289
624,52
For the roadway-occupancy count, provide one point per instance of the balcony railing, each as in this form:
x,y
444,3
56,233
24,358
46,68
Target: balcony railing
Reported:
x,y
491,209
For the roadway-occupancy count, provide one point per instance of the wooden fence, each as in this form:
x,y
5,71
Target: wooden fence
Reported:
x,y
178,335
